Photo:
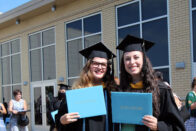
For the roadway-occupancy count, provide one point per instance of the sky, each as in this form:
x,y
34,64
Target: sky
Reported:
x,y
6,5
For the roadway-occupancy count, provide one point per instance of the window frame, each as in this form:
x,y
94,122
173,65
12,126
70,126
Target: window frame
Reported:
x,y
140,23
10,55
193,65
82,37
41,52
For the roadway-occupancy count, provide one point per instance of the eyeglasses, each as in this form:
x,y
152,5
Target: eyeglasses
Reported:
x,y
96,64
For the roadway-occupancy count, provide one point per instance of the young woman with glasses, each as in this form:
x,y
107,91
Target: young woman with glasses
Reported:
x,y
97,71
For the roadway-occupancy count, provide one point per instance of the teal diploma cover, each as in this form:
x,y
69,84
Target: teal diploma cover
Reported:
x,y
130,107
87,102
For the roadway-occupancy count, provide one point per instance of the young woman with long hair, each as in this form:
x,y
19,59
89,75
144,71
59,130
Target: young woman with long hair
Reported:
x,y
137,75
97,71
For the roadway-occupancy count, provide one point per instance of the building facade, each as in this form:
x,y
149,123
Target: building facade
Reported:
x,y
40,41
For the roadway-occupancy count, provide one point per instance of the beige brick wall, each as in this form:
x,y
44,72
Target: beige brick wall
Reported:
x,y
108,29
25,67
60,51
180,45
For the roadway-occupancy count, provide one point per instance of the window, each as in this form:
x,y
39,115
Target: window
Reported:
x,y
146,19
80,34
10,68
42,55
193,10
193,3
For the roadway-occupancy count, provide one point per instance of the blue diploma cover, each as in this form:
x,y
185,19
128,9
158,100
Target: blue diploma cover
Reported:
x,y
87,102
130,107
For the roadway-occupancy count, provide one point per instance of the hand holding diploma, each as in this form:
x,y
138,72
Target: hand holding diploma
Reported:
x,y
151,122
69,118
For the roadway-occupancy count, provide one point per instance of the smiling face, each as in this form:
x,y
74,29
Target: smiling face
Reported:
x,y
133,62
98,67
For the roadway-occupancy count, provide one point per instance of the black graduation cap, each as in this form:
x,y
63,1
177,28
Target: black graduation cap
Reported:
x,y
132,43
63,86
97,50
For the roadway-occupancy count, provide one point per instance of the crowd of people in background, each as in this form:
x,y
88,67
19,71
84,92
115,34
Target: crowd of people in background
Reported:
x,y
136,75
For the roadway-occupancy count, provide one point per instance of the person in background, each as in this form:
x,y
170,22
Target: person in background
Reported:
x,y
2,112
15,105
182,108
137,75
191,105
159,76
97,71
6,108
55,104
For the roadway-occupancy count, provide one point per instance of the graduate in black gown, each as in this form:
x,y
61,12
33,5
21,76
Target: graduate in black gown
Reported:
x,y
55,103
97,71
137,76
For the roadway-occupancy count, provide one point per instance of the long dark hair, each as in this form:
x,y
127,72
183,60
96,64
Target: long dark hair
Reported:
x,y
150,85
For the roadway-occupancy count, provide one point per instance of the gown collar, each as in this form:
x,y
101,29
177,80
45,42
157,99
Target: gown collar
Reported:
x,y
138,85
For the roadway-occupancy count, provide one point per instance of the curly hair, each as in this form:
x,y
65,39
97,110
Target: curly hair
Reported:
x,y
150,84
86,78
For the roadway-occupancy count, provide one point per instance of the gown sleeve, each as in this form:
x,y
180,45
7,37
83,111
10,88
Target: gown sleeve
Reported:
x,y
169,119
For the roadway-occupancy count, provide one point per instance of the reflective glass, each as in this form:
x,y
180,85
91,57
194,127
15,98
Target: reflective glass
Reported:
x,y
74,58
156,31
5,50
37,106
16,69
48,37
35,65
194,34
71,81
7,94
128,14
153,8
17,87
49,93
91,40
193,3
132,30
74,29
92,24
6,71
49,63
35,41
15,46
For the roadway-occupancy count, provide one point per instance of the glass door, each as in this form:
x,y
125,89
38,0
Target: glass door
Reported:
x,y
41,95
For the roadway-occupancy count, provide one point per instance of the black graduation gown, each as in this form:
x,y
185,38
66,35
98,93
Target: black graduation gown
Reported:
x,y
169,118
97,123
53,105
